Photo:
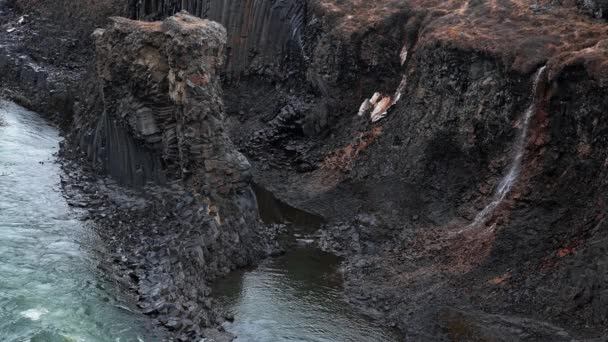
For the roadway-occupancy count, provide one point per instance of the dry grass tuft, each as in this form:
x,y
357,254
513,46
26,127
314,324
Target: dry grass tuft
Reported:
x,y
523,34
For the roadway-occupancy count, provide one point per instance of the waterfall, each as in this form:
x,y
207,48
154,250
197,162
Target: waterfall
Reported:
x,y
519,150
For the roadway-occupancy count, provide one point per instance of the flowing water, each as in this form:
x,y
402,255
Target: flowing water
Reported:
x,y
519,150
297,296
49,289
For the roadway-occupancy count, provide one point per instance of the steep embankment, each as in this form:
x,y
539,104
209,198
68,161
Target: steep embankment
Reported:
x,y
467,114
419,177
157,124
457,111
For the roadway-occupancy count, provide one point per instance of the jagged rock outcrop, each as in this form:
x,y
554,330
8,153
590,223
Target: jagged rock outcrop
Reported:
x,y
162,107
264,37
159,126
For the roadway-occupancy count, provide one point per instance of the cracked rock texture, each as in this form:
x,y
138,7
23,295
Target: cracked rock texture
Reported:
x,y
264,37
397,194
158,125
163,116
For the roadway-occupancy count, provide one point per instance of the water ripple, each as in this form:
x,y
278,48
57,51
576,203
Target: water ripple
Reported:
x,y
48,289
296,297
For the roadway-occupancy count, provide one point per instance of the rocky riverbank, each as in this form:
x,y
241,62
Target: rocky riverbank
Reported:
x,y
454,80
161,122
30,79
154,247
177,210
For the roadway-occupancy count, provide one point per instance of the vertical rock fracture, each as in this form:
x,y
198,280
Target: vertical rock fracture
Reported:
x,y
162,124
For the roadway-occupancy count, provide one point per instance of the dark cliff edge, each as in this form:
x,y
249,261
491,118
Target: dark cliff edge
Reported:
x,y
458,82
161,123
265,37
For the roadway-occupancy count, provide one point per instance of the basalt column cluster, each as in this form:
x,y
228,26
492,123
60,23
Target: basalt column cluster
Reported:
x,y
161,128
163,112
264,36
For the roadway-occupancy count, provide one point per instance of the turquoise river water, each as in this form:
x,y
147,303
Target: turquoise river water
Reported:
x,y
49,288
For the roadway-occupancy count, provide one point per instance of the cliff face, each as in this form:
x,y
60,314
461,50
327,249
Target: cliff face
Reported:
x,y
264,37
435,165
159,127
458,82
403,192
163,115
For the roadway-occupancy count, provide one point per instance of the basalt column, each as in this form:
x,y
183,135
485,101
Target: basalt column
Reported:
x,y
162,129
163,112
264,36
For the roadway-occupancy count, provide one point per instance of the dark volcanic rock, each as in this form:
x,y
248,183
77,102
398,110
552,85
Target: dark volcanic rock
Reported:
x,y
399,194
424,172
161,130
264,37
30,81
596,8
160,87
163,116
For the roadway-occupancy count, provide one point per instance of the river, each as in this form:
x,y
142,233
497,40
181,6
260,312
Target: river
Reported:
x,y
49,287
297,296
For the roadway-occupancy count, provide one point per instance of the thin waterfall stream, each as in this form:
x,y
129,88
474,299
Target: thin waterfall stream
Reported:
x,y
519,151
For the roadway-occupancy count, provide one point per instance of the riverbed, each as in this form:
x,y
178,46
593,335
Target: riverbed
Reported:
x,y
50,289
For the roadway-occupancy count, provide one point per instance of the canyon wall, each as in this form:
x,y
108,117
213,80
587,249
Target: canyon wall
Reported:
x,y
157,125
399,194
264,36
435,166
